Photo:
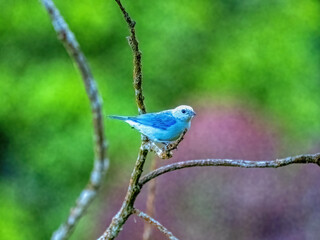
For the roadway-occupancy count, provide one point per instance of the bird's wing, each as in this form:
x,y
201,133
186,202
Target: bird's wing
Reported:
x,y
161,120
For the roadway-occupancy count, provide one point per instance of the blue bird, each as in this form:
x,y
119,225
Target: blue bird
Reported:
x,y
163,127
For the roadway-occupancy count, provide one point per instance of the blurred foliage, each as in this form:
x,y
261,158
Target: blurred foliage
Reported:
x,y
262,53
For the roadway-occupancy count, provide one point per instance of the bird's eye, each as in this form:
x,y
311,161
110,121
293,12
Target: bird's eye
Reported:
x,y
183,111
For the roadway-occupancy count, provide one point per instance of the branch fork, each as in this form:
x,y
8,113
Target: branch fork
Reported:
x,y
101,162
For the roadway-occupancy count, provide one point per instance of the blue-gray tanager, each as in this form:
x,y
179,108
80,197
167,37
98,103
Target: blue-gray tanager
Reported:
x,y
164,127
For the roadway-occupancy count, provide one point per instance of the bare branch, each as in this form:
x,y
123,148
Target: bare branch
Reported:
x,y
101,163
155,223
133,190
137,66
127,206
308,158
150,208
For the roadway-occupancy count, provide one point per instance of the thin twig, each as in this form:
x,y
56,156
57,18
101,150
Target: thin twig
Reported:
x,y
174,145
166,151
300,159
133,190
150,204
155,223
101,163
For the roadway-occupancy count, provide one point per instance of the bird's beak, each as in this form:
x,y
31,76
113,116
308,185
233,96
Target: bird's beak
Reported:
x,y
194,114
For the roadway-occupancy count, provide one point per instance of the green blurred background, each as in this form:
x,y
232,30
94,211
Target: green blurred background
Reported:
x,y
263,54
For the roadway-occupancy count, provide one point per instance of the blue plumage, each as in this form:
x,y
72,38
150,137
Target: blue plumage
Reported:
x,y
156,120
165,126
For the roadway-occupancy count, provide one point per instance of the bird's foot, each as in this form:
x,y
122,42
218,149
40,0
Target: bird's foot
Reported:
x,y
166,151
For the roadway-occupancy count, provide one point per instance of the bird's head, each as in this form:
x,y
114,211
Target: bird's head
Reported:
x,y
184,113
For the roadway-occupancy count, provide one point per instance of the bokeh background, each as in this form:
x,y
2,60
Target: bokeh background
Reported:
x,y
249,68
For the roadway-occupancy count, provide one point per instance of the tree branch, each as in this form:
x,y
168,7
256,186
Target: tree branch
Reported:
x,y
134,189
150,208
127,206
155,223
137,66
101,163
308,158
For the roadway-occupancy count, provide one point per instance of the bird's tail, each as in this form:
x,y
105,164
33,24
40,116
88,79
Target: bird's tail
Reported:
x,y
118,117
